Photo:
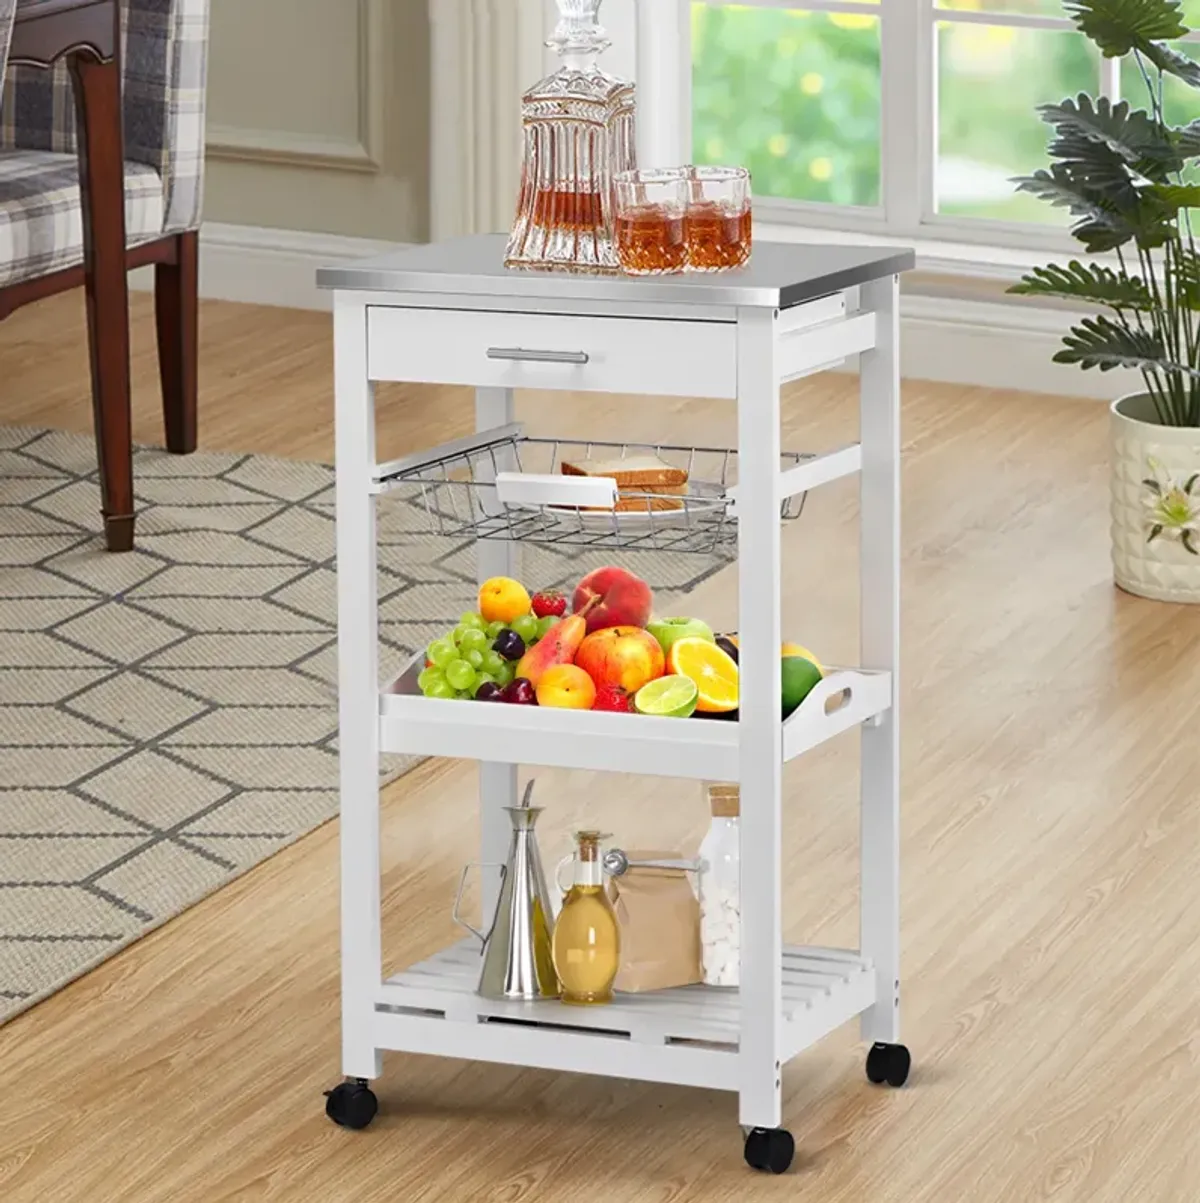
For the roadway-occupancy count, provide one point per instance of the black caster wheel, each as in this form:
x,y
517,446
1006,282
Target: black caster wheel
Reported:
x,y
888,1063
770,1149
351,1104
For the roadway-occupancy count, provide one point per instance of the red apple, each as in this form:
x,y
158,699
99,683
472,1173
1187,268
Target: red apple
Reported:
x,y
627,657
613,597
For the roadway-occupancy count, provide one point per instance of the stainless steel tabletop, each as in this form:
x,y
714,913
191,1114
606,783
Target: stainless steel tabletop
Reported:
x,y
779,275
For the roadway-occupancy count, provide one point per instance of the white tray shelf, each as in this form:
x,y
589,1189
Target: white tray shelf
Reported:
x,y
668,1030
700,748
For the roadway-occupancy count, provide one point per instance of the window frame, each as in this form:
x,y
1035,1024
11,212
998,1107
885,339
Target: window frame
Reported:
x,y
908,122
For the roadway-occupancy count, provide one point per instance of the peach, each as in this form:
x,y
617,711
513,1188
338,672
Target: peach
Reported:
x,y
502,599
613,597
624,656
567,687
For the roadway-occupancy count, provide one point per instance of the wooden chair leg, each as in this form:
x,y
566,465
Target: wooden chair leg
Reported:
x,y
97,88
176,305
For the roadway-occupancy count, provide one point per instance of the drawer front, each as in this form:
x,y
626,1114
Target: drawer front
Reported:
x,y
659,357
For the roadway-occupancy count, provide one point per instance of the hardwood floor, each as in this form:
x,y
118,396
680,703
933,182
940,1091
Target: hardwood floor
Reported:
x,y
1051,927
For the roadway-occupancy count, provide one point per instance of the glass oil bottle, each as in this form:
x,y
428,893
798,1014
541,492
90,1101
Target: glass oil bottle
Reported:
x,y
587,941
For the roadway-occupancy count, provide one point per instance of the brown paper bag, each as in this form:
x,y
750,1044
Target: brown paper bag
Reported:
x,y
659,920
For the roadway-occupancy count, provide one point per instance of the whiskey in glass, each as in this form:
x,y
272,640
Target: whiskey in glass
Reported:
x,y
718,222
651,206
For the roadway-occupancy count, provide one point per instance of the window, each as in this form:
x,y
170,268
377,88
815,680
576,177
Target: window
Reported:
x,y
906,116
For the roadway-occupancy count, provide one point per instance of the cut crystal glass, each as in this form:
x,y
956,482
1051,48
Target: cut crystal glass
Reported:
x,y
578,133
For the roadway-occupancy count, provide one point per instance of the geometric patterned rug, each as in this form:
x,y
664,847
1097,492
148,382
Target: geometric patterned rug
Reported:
x,y
168,716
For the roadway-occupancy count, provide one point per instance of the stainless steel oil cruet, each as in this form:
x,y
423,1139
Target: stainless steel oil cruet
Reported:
x,y
516,949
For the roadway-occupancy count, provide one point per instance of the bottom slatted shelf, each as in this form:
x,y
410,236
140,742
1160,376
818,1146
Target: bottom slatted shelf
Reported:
x,y
432,1007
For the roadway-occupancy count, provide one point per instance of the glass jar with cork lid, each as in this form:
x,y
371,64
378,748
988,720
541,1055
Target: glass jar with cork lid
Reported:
x,y
720,889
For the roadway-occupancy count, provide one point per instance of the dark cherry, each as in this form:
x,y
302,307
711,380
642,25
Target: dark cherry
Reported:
x,y
510,645
489,691
520,692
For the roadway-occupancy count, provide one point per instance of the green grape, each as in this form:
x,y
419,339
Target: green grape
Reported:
x,y
494,629
474,659
544,624
471,620
429,677
441,689
441,652
460,674
493,662
474,641
465,695
458,634
483,679
527,627
506,673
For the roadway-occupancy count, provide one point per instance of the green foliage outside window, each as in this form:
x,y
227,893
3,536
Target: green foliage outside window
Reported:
x,y
795,96
792,96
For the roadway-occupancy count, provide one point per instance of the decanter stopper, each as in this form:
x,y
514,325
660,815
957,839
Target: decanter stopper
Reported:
x,y
578,29
577,133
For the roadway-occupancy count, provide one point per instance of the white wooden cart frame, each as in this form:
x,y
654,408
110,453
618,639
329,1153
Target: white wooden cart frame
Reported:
x,y
789,997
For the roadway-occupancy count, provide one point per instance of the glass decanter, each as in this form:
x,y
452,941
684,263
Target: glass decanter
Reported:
x,y
578,132
587,939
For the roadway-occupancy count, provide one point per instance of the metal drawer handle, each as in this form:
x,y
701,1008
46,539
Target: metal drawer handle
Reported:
x,y
537,356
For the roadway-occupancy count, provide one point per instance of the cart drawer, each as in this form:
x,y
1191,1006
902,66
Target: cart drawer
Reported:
x,y
658,357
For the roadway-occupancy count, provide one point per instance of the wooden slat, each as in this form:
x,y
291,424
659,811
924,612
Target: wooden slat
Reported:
x,y
448,980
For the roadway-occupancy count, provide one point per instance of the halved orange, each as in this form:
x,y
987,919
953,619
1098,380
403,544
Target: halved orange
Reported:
x,y
713,670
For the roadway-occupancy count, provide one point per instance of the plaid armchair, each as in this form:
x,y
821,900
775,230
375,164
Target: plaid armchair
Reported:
x,y
164,56
158,102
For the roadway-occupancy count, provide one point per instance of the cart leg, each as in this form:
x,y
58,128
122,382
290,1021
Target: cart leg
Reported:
x,y
497,782
358,684
880,638
760,750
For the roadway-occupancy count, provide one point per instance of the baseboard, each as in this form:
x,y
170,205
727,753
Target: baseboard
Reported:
x,y
958,340
997,345
261,266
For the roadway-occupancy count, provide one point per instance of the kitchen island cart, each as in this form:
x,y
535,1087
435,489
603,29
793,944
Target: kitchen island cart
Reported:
x,y
450,313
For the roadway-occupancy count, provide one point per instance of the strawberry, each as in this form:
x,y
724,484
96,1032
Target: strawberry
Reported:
x,y
549,602
613,697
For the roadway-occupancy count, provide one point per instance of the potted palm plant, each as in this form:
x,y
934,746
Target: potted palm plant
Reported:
x,y
1129,179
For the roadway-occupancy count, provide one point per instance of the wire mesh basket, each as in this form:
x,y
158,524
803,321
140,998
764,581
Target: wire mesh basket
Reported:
x,y
504,485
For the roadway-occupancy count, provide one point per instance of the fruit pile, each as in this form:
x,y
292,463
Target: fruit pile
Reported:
x,y
608,653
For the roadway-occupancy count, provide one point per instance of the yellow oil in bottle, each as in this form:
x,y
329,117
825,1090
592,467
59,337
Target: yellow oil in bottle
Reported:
x,y
587,940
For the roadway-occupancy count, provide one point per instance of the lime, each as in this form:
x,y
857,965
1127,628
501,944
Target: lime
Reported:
x,y
667,697
798,676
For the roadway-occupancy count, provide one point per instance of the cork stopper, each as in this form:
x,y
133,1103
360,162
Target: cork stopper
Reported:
x,y
588,846
725,801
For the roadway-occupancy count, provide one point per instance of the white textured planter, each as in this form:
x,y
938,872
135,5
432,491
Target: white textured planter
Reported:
x,y
1161,566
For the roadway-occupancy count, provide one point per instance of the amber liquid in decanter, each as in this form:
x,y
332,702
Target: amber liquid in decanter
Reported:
x,y
577,133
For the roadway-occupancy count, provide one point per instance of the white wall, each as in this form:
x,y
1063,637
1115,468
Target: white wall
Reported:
x,y
318,116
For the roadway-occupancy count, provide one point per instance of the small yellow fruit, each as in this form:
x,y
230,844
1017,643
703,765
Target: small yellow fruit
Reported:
x,y
794,649
788,649
502,599
566,687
